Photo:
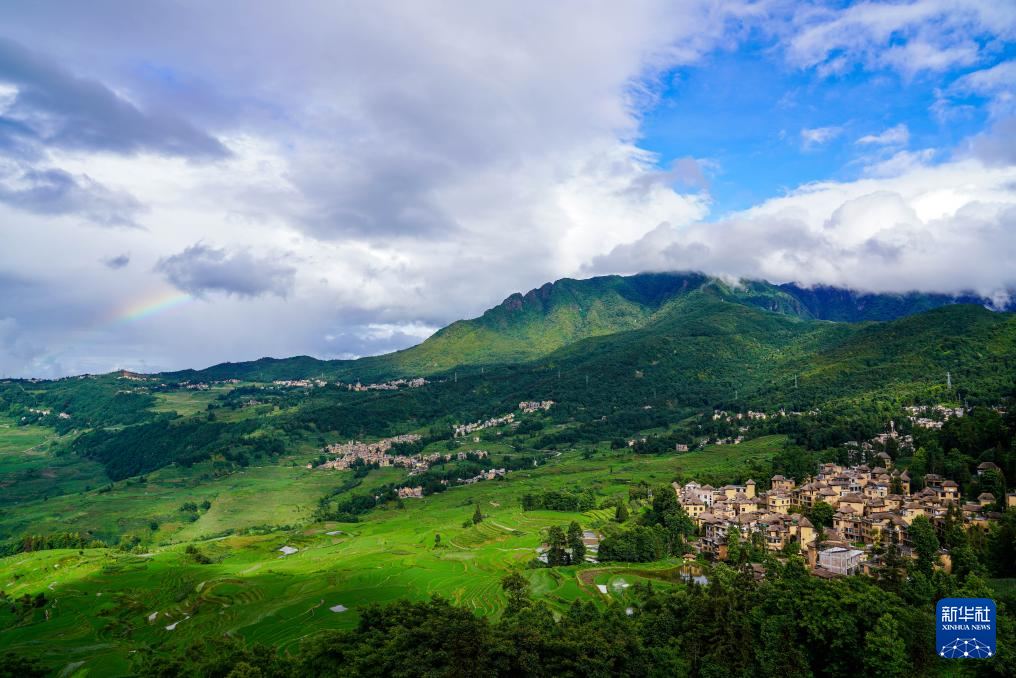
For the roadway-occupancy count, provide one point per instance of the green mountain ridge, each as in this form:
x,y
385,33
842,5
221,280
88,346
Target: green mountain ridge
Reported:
x,y
701,350
525,327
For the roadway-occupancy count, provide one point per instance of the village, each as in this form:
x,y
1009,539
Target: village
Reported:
x,y
352,452
932,416
526,407
872,505
393,385
355,452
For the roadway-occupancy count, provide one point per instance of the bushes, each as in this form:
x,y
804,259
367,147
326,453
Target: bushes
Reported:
x,y
559,501
640,544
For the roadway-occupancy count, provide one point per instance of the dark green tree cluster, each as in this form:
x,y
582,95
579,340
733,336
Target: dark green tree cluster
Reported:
x,y
565,548
791,624
554,500
661,530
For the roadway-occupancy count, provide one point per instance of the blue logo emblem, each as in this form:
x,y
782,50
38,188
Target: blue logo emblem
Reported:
x,y
965,628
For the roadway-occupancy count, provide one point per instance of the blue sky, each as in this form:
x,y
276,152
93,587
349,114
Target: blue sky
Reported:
x,y
188,183
744,110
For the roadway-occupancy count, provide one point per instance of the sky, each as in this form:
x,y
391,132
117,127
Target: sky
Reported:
x,y
184,183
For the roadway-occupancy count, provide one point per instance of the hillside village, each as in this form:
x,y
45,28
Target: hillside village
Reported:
x,y
352,453
872,506
526,407
349,453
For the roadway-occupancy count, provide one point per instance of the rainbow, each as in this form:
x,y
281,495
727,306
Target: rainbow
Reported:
x,y
125,315
145,309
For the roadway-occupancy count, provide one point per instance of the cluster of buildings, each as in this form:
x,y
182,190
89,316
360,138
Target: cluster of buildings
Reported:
x,y
46,413
393,385
919,415
489,474
346,454
750,415
530,406
465,429
526,407
870,504
349,453
299,383
874,449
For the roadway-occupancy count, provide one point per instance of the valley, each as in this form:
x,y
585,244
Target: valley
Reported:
x,y
273,503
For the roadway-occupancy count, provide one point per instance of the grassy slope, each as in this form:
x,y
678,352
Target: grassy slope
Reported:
x,y
103,599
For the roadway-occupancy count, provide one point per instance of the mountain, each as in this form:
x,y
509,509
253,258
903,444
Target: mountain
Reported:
x,y
697,350
835,303
528,326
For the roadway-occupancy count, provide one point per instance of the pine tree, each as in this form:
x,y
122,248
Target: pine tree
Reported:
x,y
477,516
885,652
621,513
557,544
922,534
575,543
516,587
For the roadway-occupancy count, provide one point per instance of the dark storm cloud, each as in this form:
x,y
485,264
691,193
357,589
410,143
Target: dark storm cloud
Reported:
x,y
54,108
117,262
200,269
54,192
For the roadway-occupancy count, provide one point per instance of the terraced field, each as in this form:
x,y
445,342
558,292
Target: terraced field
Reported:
x,y
107,603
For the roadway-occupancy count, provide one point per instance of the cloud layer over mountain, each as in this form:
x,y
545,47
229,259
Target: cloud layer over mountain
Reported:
x,y
343,179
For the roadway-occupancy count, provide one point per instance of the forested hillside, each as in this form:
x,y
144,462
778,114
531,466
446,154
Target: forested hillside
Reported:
x,y
528,326
699,350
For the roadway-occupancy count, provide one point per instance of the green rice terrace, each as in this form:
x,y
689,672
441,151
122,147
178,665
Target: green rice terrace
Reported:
x,y
228,571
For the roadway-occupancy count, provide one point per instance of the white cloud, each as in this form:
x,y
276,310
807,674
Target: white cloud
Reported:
x,y
900,163
997,84
817,136
908,37
898,135
414,164
947,228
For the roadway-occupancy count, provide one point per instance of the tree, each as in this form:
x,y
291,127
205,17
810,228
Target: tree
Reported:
x,y
516,587
993,482
14,666
557,544
437,540
821,514
621,513
1001,545
664,501
735,553
922,535
885,653
477,516
918,468
679,526
575,543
